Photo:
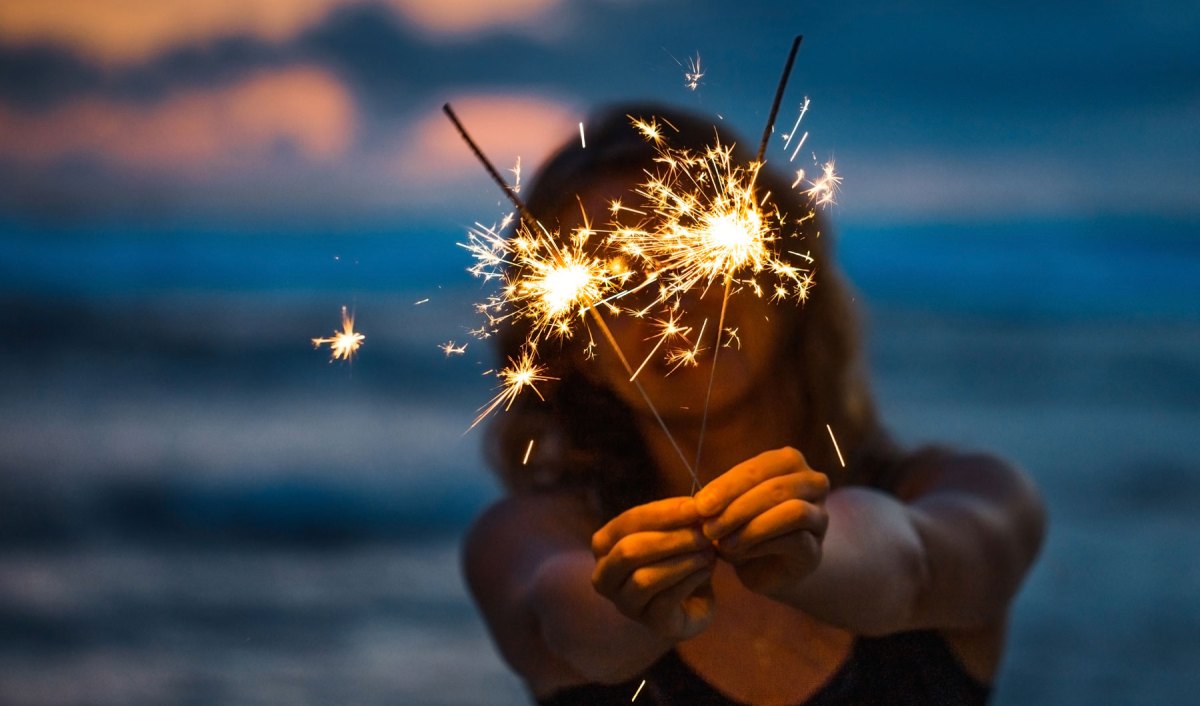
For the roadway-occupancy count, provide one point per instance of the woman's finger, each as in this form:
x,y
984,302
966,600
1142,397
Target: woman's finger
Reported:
x,y
646,582
809,486
685,609
721,491
789,517
665,514
643,548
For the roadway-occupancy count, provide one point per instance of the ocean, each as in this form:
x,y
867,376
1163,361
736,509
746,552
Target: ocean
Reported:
x,y
198,507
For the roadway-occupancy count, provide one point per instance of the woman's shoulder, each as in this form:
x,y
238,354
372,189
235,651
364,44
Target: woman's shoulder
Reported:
x,y
517,531
941,467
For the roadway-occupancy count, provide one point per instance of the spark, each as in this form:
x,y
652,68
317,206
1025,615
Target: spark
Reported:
x,y
520,373
528,450
542,279
668,329
835,446
824,188
733,339
450,348
708,224
582,139
798,146
650,129
343,344
693,74
516,172
787,138
423,301
639,690
686,356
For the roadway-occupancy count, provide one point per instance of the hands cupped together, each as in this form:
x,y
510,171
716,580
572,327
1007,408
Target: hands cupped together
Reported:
x,y
764,516
767,517
655,565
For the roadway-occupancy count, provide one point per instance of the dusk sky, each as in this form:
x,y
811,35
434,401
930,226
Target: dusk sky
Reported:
x,y
265,115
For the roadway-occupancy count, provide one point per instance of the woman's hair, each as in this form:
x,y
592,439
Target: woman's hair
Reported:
x,y
587,440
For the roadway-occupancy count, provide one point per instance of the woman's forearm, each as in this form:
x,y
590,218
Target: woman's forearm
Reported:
x,y
872,567
586,630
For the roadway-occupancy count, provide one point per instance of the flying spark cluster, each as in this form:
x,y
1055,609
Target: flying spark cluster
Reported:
x,y
699,218
706,222
342,344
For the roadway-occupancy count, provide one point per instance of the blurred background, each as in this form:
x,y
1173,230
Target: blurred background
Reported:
x,y
198,507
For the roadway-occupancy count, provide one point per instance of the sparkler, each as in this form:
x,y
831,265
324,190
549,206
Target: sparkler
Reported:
x,y
343,344
757,164
712,225
549,283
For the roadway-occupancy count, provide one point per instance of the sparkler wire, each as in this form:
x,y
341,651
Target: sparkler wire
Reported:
x,y
712,374
783,80
645,397
491,170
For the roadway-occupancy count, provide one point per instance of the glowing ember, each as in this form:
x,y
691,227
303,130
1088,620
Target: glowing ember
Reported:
x,y
835,446
824,188
708,223
451,348
519,374
542,280
343,344
693,74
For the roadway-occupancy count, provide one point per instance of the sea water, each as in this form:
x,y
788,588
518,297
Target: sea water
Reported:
x,y
198,507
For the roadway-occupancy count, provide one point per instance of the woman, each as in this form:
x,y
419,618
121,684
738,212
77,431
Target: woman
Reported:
x,y
788,578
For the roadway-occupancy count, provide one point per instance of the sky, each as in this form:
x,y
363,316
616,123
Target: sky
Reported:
x,y
287,116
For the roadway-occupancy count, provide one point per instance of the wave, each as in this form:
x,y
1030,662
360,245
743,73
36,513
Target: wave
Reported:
x,y
284,511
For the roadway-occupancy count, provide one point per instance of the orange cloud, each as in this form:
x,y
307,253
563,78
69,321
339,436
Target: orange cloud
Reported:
x,y
506,127
127,31
305,109
473,16
121,31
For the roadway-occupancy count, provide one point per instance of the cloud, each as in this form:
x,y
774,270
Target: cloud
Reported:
x,y
131,31
303,111
281,146
466,17
430,155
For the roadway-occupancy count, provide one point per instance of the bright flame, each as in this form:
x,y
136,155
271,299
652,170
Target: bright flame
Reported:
x,y
520,373
543,280
707,223
343,344
825,187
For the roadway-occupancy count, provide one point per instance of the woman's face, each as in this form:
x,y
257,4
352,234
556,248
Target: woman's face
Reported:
x,y
676,369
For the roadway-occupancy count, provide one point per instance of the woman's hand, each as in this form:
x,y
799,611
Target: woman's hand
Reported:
x,y
655,565
766,516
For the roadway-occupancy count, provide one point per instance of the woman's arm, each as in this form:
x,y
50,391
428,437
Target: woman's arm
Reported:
x,y
530,563
948,551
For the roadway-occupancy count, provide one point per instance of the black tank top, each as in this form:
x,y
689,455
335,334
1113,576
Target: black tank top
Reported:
x,y
910,668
